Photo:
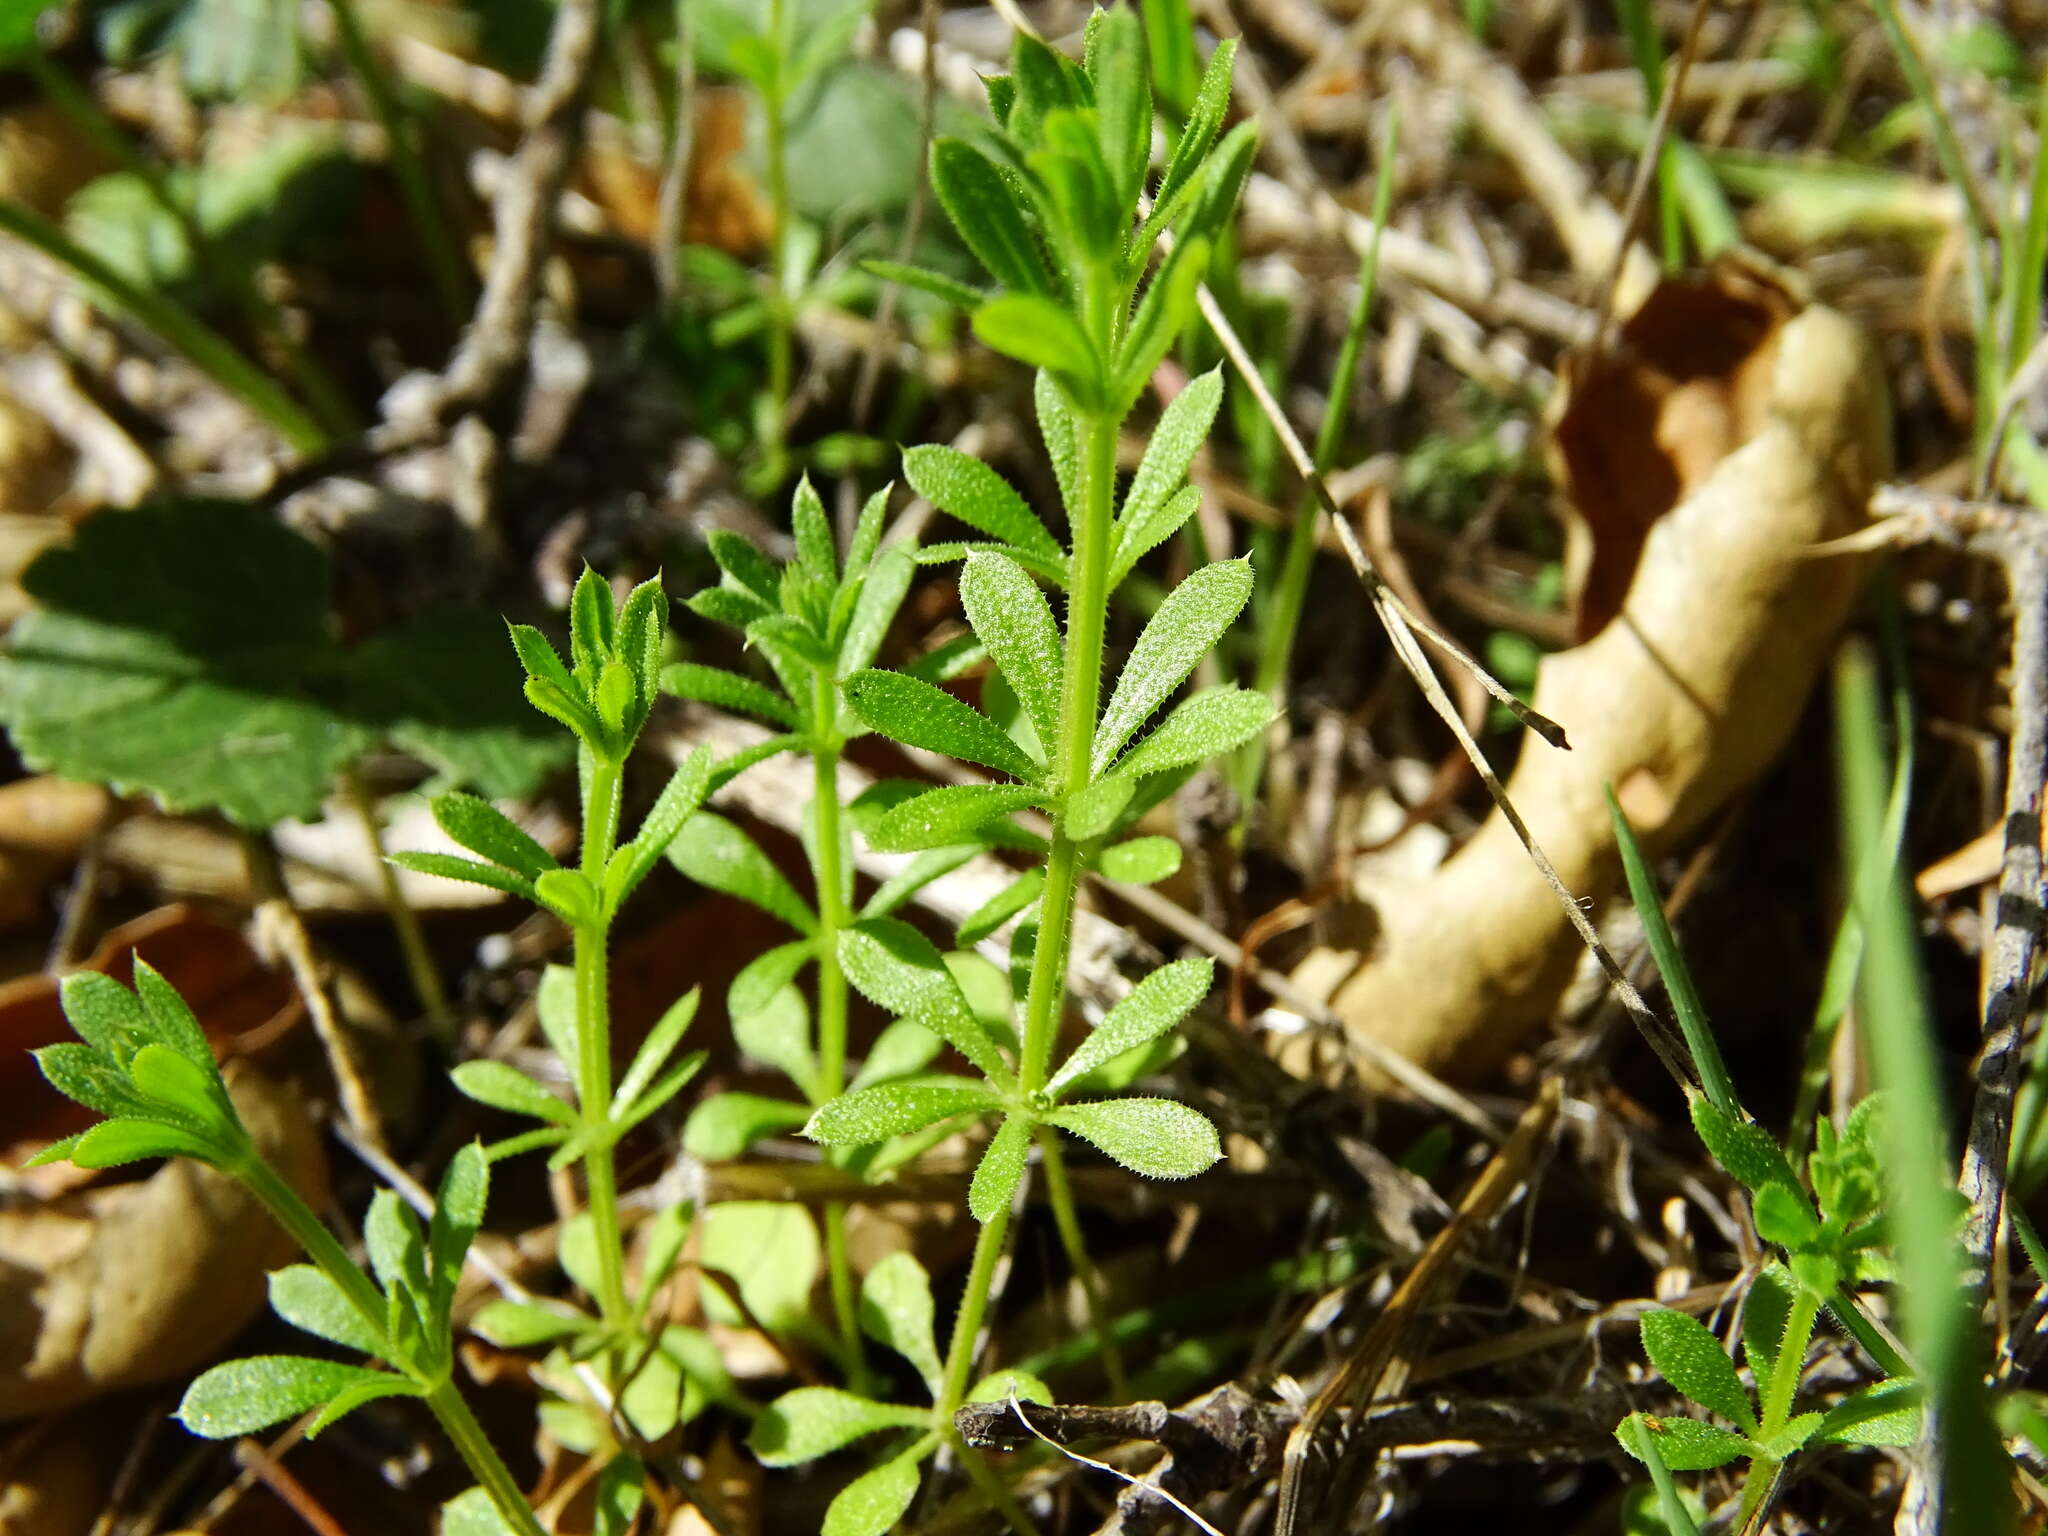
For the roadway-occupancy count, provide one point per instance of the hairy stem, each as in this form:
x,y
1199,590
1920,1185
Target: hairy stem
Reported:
x,y
312,1236
482,1459
988,1248
594,1045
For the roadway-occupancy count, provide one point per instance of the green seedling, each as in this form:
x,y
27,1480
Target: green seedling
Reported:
x,y
143,1063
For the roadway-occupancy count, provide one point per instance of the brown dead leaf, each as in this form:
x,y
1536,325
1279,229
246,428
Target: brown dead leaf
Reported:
x,y
1732,432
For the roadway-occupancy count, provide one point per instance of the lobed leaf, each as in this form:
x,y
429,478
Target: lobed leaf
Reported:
x,y
1187,624
1149,1010
1159,1138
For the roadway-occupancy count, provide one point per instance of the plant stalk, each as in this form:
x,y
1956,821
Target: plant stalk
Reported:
x,y
593,1044
981,1274
482,1459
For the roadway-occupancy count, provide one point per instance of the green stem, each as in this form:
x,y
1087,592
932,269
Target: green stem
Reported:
x,y
1060,1193
196,341
444,263
482,1459
593,1046
311,1234
829,855
981,1274
1784,1386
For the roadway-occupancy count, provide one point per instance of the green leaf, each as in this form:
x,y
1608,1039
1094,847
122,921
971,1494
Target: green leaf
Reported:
x,y
815,549
1013,620
1684,1445
576,1252
1000,1386
678,801
1201,726
619,1496
728,605
458,1213
1766,1311
724,1126
1159,1138
505,1087
1140,861
174,654
898,967
189,1093
896,1311
810,1422
1056,427
881,595
1191,620
450,867
666,1087
521,1325
903,1049
763,978
473,1514
1793,1437
778,1034
1742,1147
1001,1167
748,568
917,714
307,1299
655,1051
1692,1360
554,1002
373,1385
1162,524
397,1246
1013,898
114,1142
1221,184
868,1115
771,1249
593,621
969,490
107,1016
728,691
571,895
1887,1413
715,853
874,1502
986,211
243,1396
81,1073
1784,1216
482,828
948,815
1183,427
1098,808
1205,121
1123,99
937,284
1042,334
1163,314
1151,1008
917,873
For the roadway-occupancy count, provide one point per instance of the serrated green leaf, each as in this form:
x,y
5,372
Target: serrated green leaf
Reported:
x,y
983,208
875,1501
1140,861
1887,1413
505,1087
969,490
1692,1360
726,1125
1204,122
1001,1167
307,1299
243,1396
1041,334
1162,524
1213,721
1187,624
1013,898
951,814
898,967
521,1325
1684,1445
771,1249
449,867
1149,1010
1159,1138
868,1115
810,1422
896,1311
715,853
1742,1147
728,691
912,711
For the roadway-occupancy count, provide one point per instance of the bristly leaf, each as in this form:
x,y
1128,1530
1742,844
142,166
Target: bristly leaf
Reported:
x,y
1183,427
715,853
1205,120
1742,1147
450,867
1212,721
1010,614
1141,861
311,1302
1152,1007
458,1213
937,284
1887,1413
1163,314
881,595
1158,526
172,1023
869,1115
748,569
728,691
815,549
1765,1312
1056,427
942,817
1684,1445
968,489
1043,334
912,711
898,967
1190,621
106,1015
655,1051
1013,898
985,211
503,1086
1692,1360
724,1126
874,1502
896,1311
811,1422
1001,1167
1159,1138
671,811
243,1396
482,828
1123,99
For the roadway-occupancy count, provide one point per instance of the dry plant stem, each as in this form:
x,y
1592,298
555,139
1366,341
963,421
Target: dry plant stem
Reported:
x,y
594,1048
412,939
1401,631
672,203
277,924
